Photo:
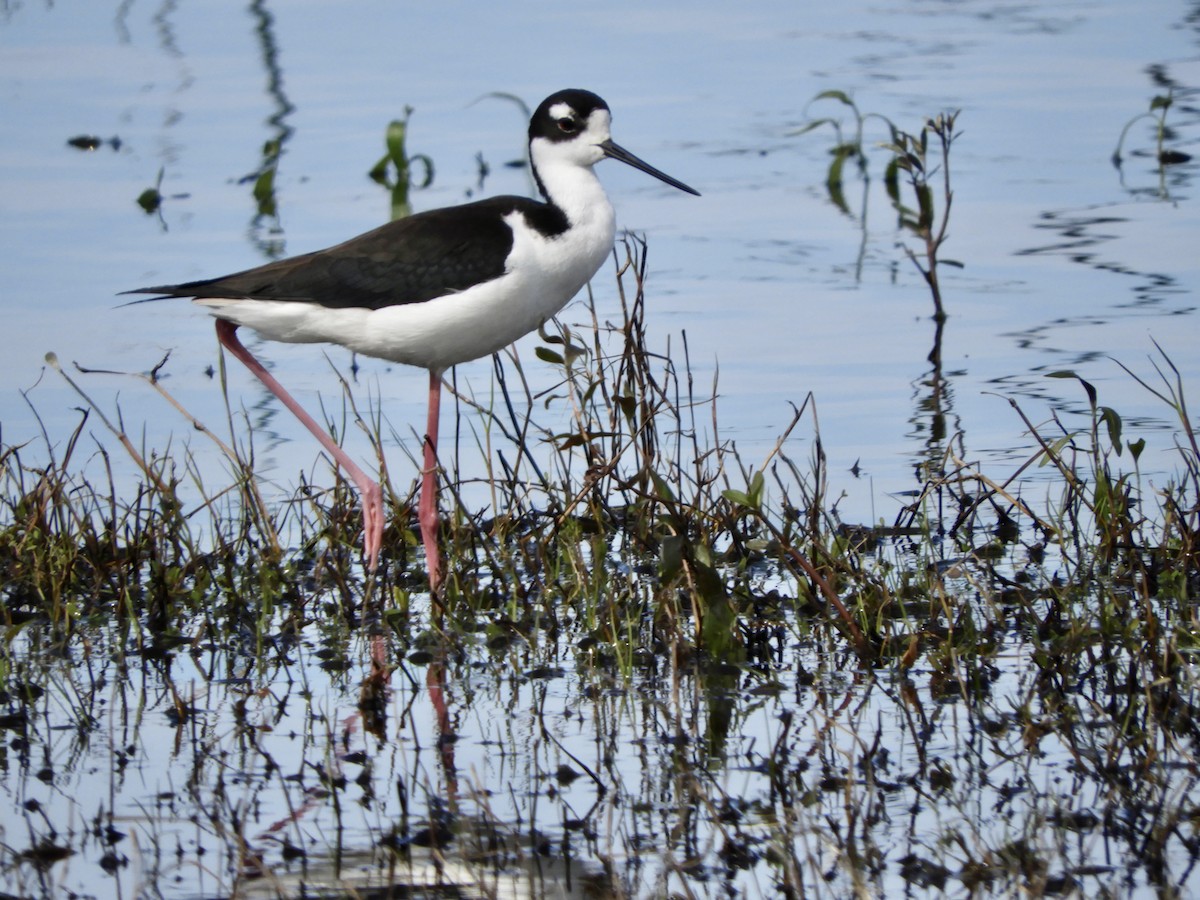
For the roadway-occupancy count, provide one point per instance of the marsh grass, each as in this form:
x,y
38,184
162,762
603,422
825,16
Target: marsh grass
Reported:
x,y
995,692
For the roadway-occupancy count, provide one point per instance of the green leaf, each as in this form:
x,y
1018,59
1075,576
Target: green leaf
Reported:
x,y
840,96
1054,451
833,179
149,199
1091,392
719,625
757,482
891,180
738,497
711,588
428,164
662,488
264,185
397,132
1112,419
1136,448
815,123
925,202
1102,495
547,355
670,559
378,172
1087,385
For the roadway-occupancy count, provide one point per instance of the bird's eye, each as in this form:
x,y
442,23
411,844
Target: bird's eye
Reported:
x,y
568,126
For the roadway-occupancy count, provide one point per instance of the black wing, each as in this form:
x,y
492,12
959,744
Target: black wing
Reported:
x,y
410,260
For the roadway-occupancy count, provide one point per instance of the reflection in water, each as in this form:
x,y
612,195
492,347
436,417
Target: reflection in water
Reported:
x,y
266,230
1169,159
212,763
1090,236
215,770
934,421
121,20
1080,238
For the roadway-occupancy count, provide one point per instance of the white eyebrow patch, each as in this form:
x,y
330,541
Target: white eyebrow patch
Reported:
x,y
562,111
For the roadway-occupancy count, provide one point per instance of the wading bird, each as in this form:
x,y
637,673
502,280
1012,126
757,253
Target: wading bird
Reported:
x,y
438,288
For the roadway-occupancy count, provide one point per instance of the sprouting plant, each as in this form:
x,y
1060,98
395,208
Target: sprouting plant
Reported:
x,y
1159,106
1110,495
912,157
395,168
909,154
264,181
1158,113
266,229
151,198
846,148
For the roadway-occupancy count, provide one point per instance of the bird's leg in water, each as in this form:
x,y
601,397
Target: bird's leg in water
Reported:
x,y
368,488
427,510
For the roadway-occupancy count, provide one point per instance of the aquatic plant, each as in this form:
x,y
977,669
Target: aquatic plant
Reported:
x,y
709,683
908,155
395,169
1164,156
929,222
846,147
1160,104
150,200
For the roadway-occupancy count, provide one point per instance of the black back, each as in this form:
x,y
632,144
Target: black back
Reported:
x,y
411,260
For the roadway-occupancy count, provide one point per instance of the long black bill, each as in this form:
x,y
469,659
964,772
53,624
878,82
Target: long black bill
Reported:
x,y
616,151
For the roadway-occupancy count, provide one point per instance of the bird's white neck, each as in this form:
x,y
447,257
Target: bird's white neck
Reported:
x,y
573,188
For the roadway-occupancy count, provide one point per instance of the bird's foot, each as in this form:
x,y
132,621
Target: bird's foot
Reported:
x,y
373,518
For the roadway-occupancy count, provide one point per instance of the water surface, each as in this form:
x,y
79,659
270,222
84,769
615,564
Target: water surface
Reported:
x,y
1068,264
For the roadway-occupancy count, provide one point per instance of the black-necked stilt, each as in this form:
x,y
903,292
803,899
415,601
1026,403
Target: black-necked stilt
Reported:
x,y
438,288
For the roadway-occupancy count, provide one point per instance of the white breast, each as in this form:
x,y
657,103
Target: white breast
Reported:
x,y
542,274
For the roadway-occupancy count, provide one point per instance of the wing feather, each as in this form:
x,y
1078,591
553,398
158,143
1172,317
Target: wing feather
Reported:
x,y
411,260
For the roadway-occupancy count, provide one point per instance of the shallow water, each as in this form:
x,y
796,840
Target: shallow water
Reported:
x,y
1069,264
1067,261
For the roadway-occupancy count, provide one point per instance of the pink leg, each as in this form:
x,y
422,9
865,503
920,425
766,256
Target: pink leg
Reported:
x,y
372,494
435,684
427,511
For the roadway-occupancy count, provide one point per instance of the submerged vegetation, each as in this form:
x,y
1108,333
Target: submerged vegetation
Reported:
x,y
664,665
711,683
658,668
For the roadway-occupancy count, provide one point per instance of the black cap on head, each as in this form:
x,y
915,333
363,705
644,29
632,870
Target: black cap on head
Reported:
x,y
582,104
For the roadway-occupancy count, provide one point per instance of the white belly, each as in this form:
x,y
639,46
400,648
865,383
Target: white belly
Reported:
x,y
542,275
